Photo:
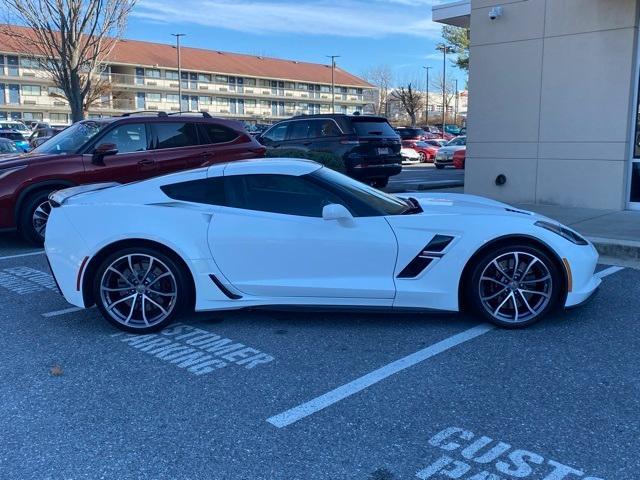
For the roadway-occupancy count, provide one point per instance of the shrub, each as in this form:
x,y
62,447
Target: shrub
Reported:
x,y
327,159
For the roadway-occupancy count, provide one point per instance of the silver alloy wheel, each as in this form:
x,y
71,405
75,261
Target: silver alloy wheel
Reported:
x,y
515,287
40,217
423,157
138,290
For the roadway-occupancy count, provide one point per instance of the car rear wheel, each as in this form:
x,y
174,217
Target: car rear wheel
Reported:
x,y
514,286
423,157
439,167
32,220
140,290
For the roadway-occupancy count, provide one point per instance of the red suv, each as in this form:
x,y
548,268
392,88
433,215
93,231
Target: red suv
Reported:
x,y
120,149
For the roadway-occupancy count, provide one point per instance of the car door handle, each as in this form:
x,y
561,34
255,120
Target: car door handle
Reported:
x,y
146,163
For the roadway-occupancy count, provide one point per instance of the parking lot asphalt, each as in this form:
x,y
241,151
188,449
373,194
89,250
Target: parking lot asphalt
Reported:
x,y
332,395
415,176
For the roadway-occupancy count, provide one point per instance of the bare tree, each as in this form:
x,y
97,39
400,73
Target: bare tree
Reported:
x,y
72,39
449,93
410,99
380,77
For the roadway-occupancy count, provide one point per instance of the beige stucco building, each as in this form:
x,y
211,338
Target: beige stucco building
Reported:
x,y
553,100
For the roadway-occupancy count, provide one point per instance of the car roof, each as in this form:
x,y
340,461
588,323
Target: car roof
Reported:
x,y
283,166
5,140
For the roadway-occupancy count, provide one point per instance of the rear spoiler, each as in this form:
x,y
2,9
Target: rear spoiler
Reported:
x,y
58,197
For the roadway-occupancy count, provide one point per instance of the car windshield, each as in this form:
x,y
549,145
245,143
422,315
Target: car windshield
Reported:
x,y
21,127
379,202
367,127
15,136
8,147
71,139
458,141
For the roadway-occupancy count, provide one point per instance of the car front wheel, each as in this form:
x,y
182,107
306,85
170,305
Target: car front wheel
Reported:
x,y
32,220
140,290
439,166
514,286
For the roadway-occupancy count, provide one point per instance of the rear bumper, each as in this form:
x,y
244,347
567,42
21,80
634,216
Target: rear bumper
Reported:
x,y
362,169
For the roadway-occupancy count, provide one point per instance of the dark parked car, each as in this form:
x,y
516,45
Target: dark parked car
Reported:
x,y
42,134
412,134
368,145
120,149
17,138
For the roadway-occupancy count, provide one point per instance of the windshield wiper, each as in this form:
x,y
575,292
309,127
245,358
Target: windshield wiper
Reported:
x,y
413,206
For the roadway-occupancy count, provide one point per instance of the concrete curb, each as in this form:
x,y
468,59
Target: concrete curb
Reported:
x,y
617,249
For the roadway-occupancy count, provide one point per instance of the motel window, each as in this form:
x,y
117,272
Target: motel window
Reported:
x,y
171,75
154,97
59,118
204,77
152,73
31,90
173,98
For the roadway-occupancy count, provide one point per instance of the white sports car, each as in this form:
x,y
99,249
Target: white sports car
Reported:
x,y
290,232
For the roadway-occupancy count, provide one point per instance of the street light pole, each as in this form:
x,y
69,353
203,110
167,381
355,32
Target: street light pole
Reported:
x,y
445,50
455,112
333,84
178,35
426,106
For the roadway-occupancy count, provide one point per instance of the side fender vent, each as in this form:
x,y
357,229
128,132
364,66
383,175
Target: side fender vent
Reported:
x,y
433,250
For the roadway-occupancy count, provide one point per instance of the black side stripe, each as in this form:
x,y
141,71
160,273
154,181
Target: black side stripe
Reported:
x,y
421,261
224,289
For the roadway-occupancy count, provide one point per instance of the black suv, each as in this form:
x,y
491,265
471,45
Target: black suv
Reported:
x,y
368,145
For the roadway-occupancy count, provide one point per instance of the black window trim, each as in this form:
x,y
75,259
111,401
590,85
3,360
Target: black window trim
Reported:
x,y
202,134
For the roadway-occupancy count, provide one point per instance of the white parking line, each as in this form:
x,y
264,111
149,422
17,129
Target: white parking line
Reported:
x,y
19,255
301,411
55,313
608,271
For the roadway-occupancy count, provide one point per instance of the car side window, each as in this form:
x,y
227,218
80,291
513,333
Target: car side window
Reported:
x,y
323,128
277,133
299,130
212,133
285,194
174,135
209,191
128,137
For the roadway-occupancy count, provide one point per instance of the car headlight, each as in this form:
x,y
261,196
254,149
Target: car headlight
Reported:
x,y
8,171
563,232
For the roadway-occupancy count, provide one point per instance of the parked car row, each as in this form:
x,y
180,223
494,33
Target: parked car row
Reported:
x,y
367,145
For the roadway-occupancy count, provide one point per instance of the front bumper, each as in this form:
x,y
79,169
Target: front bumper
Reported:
x,y
582,262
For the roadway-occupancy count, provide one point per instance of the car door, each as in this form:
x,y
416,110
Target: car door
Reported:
x,y
325,136
271,241
132,162
275,136
176,146
222,144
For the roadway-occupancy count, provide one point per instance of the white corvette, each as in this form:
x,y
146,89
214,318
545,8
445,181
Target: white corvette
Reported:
x,y
289,232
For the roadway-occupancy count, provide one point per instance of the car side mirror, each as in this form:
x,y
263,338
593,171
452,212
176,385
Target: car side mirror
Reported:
x,y
103,150
334,211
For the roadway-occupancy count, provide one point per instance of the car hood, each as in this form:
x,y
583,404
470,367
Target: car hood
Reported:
x,y
462,204
15,160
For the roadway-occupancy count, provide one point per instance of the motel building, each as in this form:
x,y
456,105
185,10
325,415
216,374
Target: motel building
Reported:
x,y
553,100
144,76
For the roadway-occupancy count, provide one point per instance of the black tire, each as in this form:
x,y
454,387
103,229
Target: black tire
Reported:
x,y
439,167
528,295
379,182
176,306
26,226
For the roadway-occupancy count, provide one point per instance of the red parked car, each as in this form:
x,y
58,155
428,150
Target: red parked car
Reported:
x,y
459,158
427,149
120,149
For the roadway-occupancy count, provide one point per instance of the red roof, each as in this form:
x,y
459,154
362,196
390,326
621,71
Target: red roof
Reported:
x,y
147,54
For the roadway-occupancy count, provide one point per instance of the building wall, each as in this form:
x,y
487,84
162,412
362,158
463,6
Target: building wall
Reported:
x,y
552,85
25,92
